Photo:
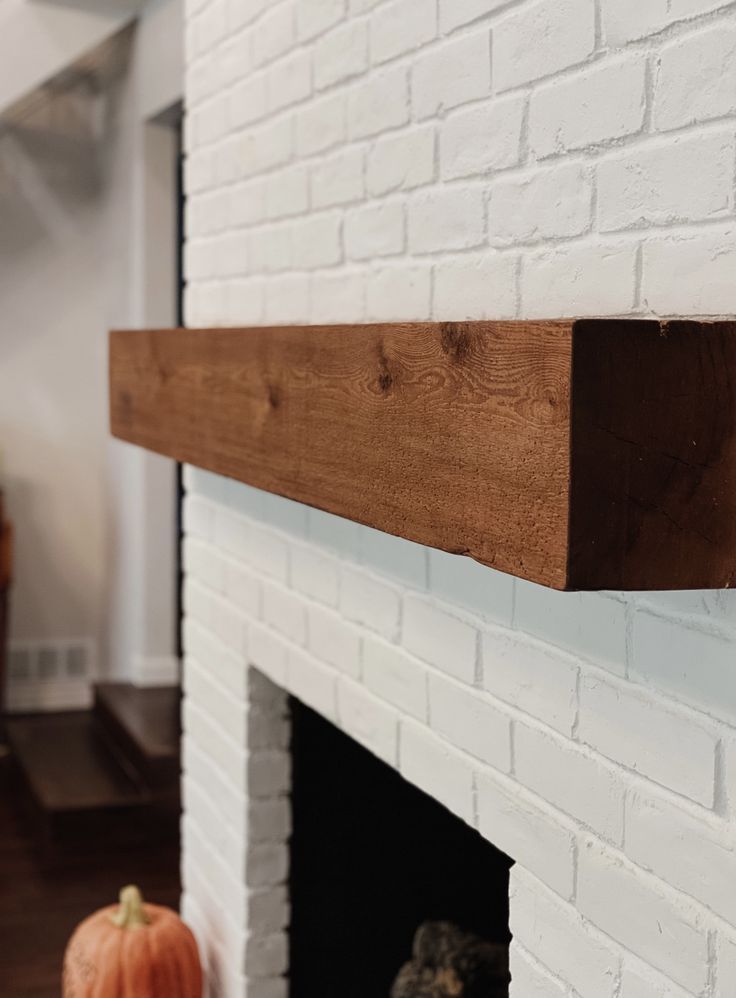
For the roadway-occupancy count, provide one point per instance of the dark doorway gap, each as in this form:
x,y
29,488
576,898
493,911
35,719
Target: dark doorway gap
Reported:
x,y
179,318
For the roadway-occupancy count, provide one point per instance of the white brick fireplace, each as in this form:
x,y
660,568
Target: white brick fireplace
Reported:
x,y
354,160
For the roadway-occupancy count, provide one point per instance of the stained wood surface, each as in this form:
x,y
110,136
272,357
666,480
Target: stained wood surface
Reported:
x,y
67,766
6,555
143,725
653,492
148,716
453,435
590,454
6,547
6,572
41,902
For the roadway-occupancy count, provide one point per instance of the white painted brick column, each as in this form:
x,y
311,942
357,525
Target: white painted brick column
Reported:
x,y
237,778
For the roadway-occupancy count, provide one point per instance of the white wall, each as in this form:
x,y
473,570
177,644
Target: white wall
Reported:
x,y
84,209
52,356
40,38
353,160
142,603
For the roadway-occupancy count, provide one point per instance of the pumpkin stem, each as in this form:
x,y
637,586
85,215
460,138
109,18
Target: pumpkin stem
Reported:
x,y
131,913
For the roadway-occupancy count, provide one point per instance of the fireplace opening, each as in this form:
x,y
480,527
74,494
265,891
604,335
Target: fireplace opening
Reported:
x,y
373,859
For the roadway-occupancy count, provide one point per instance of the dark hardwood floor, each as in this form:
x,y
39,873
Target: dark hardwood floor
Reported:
x,y
43,896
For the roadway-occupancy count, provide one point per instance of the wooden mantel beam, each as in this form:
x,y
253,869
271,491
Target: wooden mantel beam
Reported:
x,y
581,454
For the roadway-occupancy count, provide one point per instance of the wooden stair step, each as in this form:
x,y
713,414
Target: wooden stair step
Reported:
x,y
68,768
144,726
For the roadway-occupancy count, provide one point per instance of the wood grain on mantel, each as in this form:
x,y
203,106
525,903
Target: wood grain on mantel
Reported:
x,y
588,454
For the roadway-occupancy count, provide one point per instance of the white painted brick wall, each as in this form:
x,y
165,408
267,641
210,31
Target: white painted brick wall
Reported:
x,y
400,26
559,936
401,161
609,794
726,973
431,764
540,39
531,978
595,106
664,744
557,202
357,160
656,924
440,638
453,73
644,186
396,677
481,139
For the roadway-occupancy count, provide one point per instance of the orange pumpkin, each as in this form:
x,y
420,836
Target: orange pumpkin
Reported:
x,y
132,950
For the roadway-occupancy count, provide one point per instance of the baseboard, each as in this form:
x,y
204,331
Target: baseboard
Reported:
x,y
33,696
155,670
